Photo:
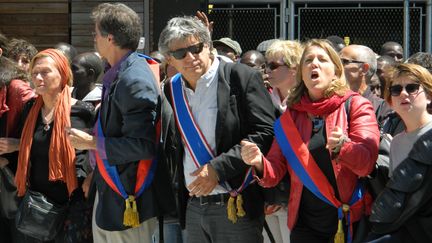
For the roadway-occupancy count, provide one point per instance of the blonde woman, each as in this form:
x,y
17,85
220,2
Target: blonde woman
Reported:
x,y
282,59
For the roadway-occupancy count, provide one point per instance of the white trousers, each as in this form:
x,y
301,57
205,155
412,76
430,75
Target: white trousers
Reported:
x,y
278,224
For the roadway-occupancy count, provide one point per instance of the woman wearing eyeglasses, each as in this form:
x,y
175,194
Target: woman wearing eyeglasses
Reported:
x,y
403,212
326,140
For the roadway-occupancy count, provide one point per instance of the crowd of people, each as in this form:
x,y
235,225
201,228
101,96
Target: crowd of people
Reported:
x,y
319,141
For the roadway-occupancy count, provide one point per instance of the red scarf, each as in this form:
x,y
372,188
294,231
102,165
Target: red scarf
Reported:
x,y
323,106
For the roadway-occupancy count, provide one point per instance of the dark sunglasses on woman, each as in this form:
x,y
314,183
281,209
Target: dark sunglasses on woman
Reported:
x,y
181,53
395,90
273,65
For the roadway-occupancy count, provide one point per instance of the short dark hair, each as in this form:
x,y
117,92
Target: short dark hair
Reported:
x,y
423,59
120,21
9,71
90,60
17,47
67,49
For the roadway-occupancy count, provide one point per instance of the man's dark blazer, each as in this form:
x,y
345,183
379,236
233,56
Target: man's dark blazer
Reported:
x,y
245,111
128,118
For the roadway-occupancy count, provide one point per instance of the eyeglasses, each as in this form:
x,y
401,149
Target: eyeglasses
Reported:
x,y
347,61
181,53
273,65
395,90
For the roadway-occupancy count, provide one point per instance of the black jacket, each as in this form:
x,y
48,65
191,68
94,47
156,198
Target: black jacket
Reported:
x,y
404,208
245,111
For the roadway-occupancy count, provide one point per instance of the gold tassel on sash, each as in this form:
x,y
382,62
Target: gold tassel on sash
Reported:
x,y
131,216
240,210
235,208
340,236
231,210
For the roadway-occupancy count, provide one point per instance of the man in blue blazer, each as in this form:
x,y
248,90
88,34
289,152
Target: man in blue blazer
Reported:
x,y
129,181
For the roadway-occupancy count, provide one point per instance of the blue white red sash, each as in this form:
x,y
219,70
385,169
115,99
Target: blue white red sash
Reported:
x,y
145,172
304,166
144,177
192,136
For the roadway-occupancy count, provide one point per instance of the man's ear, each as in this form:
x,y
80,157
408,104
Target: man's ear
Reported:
x,y
1,52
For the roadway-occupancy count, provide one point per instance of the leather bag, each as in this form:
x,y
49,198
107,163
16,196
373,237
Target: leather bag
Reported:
x,y
39,217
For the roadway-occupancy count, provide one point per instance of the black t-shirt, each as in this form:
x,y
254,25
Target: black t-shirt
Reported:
x,y
81,118
314,213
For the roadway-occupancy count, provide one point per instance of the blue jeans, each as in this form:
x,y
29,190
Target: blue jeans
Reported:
x,y
172,233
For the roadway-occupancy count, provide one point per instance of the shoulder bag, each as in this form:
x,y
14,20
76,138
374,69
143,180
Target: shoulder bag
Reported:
x,y
39,217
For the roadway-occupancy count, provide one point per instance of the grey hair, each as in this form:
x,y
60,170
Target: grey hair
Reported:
x,y
181,28
365,54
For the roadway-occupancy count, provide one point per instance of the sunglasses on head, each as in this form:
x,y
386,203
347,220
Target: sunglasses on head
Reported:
x,y
273,65
181,53
395,90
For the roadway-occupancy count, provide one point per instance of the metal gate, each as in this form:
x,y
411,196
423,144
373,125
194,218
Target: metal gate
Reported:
x,y
370,24
248,26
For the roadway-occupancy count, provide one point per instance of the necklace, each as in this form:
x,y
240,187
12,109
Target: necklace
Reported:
x,y
47,118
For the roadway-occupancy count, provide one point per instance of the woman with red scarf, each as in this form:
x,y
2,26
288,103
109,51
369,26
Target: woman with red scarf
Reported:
x,y
327,138
47,163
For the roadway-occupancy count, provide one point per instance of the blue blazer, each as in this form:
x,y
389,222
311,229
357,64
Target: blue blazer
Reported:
x,y
128,117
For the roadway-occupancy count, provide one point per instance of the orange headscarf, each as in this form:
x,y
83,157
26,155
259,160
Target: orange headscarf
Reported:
x,y
61,153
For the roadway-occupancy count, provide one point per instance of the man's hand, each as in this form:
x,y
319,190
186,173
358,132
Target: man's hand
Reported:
x,y
205,182
251,155
3,162
81,140
9,145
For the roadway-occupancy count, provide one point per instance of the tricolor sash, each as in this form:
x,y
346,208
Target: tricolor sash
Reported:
x,y
199,148
304,166
145,173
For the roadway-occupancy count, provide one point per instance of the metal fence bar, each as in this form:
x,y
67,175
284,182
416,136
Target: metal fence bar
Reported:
x,y
429,26
406,29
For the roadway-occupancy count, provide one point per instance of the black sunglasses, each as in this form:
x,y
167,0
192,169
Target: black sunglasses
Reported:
x,y
395,90
347,61
181,53
273,65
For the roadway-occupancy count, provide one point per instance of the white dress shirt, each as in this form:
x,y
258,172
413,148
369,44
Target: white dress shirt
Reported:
x,y
203,105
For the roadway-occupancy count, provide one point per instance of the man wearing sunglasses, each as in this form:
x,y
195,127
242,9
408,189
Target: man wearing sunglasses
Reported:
x,y
360,65
215,105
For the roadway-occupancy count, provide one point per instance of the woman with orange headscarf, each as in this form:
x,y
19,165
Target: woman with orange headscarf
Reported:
x,y
47,163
